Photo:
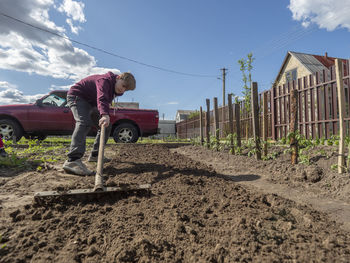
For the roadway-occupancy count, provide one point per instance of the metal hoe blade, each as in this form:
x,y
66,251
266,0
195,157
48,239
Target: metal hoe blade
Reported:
x,y
91,194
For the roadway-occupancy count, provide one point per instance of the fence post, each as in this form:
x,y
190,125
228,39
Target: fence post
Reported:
x,y
341,103
216,121
208,122
230,119
255,115
238,124
265,122
201,125
293,125
273,112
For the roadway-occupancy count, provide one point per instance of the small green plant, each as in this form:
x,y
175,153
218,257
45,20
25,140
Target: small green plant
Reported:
x,y
2,246
334,166
322,152
195,141
215,142
317,141
13,161
329,142
252,152
249,143
304,158
287,151
333,140
229,137
283,140
270,156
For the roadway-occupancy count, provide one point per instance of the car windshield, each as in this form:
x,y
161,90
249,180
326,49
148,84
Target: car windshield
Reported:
x,y
54,100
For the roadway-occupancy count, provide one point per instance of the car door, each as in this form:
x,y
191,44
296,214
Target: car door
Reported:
x,y
52,115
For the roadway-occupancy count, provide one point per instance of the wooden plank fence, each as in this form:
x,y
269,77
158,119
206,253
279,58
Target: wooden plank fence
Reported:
x,y
317,109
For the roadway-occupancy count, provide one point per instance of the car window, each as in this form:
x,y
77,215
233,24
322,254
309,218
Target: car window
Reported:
x,y
54,100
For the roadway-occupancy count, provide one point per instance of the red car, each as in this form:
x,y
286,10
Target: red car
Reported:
x,y
50,115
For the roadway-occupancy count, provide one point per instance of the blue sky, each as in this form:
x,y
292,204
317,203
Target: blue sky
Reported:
x,y
193,37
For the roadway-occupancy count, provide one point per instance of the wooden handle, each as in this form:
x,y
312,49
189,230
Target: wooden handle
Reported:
x,y
99,172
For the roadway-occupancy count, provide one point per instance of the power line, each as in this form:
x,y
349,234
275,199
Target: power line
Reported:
x,y
107,52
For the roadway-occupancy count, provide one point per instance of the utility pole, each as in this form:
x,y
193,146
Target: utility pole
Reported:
x,y
223,85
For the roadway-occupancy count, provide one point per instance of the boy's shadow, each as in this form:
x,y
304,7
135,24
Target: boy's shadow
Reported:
x,y
167,171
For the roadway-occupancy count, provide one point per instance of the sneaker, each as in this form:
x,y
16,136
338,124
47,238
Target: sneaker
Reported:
x,y
3,153
95,158
76,167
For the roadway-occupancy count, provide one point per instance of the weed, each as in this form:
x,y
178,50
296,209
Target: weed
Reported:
x,y
252,152
13,161
304,158
270,156
215,142
334,166
2,246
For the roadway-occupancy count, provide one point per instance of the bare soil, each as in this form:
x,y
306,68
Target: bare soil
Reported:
x,y
204,206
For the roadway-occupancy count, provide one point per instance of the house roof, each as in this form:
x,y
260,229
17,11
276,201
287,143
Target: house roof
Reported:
x,y
309,61
314,63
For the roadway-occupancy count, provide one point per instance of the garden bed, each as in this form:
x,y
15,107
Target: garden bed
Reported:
x,y
205,206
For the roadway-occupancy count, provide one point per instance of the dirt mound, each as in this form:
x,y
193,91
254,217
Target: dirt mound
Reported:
x,y
194,214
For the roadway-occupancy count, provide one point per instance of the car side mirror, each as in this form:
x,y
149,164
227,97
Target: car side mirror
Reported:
x,y
39,103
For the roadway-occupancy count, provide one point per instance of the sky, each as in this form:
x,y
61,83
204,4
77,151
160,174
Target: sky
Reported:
x,y
175,49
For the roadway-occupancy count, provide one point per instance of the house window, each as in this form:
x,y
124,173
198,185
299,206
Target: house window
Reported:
x,y
291,75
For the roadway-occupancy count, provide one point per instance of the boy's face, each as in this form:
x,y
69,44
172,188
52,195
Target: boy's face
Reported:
x,y
120,87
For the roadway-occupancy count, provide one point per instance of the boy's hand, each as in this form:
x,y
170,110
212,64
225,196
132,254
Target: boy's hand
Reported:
x,y
104,121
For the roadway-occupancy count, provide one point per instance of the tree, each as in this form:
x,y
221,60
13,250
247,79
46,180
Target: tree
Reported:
x,y
246,66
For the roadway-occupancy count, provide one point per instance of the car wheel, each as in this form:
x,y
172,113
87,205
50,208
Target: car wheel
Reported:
x,y
10,129
125,133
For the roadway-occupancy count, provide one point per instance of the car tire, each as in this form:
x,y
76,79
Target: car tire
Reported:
x,y
125,133
10,129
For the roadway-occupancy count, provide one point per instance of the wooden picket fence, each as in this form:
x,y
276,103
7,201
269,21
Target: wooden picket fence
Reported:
x,y
318,114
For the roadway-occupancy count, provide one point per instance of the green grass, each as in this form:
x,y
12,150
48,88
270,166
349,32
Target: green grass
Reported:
x,y
35,154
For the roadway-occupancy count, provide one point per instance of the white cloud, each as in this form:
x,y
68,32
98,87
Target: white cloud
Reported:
x,y
6,85
9,94
173,103
328,14
74,29
26,49
73,9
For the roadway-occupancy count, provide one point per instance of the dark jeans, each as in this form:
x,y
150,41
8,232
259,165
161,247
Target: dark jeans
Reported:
x,y
85,117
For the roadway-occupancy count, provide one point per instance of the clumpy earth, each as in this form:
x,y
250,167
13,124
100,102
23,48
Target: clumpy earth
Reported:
x,y
204,206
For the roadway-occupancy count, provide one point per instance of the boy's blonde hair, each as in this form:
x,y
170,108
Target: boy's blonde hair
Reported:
x,y
129,80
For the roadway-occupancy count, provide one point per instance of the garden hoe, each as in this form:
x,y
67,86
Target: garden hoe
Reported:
x,y
98,192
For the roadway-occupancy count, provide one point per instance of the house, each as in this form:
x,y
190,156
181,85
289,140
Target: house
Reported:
x,y
313,102
182,115
166,128
297,65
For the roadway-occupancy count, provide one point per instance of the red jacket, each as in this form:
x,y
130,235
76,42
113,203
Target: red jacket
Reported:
x,y
98,90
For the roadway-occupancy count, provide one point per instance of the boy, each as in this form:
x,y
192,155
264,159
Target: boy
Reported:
x,y
83,98
2,150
